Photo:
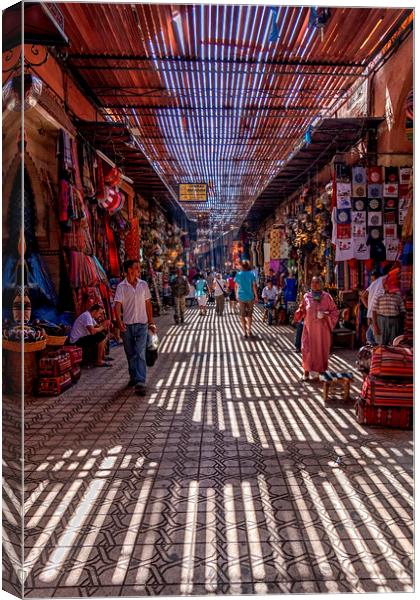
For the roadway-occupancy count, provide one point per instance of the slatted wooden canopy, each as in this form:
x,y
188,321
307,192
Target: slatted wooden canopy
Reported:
x,y
206,94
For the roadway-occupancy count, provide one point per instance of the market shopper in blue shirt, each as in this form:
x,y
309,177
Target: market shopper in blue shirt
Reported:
x,y
247,295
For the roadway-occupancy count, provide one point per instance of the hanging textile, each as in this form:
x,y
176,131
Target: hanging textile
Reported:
x,y
100,183
275,244
87,170
339,275
409,115
84,270
63,201
266,252
353,275
114,266
75,238
64,151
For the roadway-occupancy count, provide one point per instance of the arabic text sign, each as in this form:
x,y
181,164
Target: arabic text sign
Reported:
x,y
193,192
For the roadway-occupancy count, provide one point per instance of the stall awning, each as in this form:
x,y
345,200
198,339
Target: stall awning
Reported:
x,y
116,142
328,138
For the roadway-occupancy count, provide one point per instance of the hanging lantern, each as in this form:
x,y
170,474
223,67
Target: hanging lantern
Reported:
x,y
318,18
12,92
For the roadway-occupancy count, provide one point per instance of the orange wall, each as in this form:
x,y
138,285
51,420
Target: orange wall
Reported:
x,y
393,81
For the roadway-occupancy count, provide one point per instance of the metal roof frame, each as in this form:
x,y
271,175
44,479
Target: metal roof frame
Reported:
x,y
204,90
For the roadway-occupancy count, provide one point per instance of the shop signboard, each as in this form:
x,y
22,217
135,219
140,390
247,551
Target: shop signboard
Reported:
x,y
193,192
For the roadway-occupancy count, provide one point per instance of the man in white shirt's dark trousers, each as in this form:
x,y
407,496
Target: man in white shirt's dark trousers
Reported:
x,y
134,315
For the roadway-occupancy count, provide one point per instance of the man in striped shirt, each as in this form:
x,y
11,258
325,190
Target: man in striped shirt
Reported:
x,y
387,311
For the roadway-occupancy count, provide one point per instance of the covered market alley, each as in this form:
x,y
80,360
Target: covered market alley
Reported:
x,y
220,151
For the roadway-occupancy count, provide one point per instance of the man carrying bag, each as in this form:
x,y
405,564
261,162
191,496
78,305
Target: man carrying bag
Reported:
x,y
219,288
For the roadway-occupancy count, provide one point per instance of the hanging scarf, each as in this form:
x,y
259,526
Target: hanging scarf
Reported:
x,y
114,266
100,185
316,295
63,201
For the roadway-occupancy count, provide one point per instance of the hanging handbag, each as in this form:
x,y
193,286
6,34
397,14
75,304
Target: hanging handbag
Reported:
x,y
152,349
224,293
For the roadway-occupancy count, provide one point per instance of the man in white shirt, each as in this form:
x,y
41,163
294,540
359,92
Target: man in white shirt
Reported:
x,y
134,316
91,337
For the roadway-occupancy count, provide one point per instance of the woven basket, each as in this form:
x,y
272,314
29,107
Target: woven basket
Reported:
x,y
56,340
29,347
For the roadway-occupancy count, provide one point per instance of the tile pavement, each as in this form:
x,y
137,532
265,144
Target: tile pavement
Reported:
x,y
231,476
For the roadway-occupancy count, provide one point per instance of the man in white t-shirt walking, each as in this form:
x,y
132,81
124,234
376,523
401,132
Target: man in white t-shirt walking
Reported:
x,y
91,337
134,315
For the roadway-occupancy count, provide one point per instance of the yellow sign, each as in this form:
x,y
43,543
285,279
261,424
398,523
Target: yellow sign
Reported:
x,y
193,192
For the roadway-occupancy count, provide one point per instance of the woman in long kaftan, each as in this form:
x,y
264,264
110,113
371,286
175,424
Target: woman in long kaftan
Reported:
x,y
320,317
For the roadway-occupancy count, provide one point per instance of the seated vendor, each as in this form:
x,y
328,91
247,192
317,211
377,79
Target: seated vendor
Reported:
x,y
91,337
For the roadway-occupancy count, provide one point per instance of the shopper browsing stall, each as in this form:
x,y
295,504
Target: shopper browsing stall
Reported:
x,y
369,296
133,307
388,310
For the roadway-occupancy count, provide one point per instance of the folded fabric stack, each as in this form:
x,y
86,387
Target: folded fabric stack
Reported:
x,y
409,319
387,391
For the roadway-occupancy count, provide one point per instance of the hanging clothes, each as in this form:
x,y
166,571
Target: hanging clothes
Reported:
x,y
64,151
100,182
63,201
266,252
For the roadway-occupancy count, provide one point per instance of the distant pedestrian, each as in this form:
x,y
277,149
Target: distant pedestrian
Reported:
x,y
269,296
191,295
247,296
231,286
201,293
166,291
134,315
219,289
180,290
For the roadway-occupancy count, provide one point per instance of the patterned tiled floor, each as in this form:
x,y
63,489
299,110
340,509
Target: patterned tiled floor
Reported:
x,y
231,476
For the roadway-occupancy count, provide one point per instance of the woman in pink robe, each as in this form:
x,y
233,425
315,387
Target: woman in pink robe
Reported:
x,y
320,317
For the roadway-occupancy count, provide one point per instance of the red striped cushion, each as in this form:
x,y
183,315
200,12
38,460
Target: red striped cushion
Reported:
x,y
390,361
380,392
